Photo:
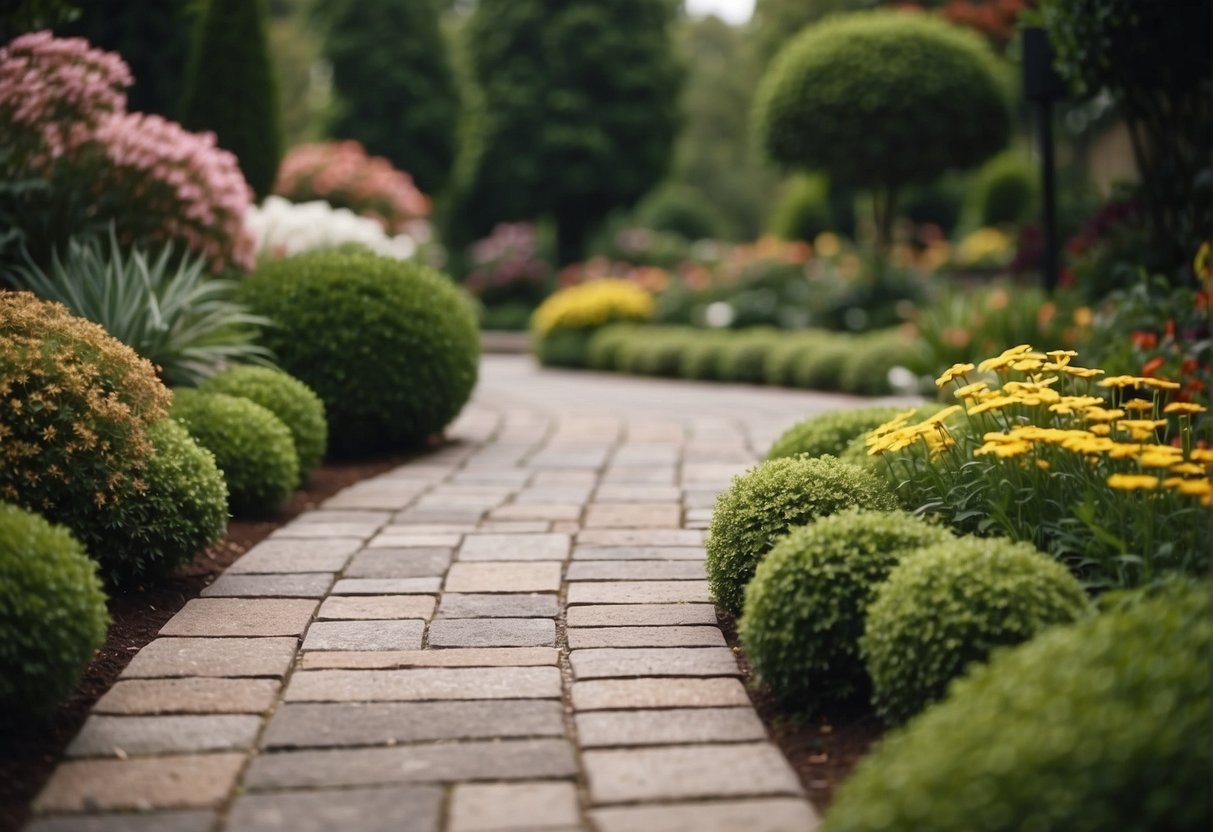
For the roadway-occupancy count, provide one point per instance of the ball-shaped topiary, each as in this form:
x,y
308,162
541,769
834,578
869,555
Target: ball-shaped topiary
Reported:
x,y
820,368
52,612
605,344
803,210
779,364
701,358
1004,191
829,432
678,209
805,607
74,406
744,358
844,95
252,447
763,503
1099,725
391,347
286,397
865,370
952,604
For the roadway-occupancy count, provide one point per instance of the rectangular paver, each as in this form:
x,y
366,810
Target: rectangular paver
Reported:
x,y
668,636
296,585
189,696
514,547
118,736
640,537
400,537
279,556
636,570
771,815
425,683
182,782
492,632
633,516
298,725
502,576
464,605
681,772
610,694
446,763
376,607
509,807
641,615
229,657
638,592
387,586
422,562
450,657
364,635
603,729
536,511
182,820
241,617
611,662
581,552
380,809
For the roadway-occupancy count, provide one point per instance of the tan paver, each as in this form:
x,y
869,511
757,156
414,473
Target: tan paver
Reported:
x,y
639,592
225,657
774,815
611,694
502,576
184,782
508,807
610,662
376,607
424,684
512,547
241,617
120,736
633,516
380,809
681,772
641,615
189,696
667,636
604,729
457,657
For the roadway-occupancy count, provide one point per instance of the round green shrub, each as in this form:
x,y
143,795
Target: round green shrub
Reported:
x,y
605,343
805,607
1096,726
803,211
865,370
830,432
952,604
820,368
938,202
843,96
661,353
763,503
1004,191
287,398
781,358
680,210
856,452
561,348
744,357
252,447
701,358
390,346
52,612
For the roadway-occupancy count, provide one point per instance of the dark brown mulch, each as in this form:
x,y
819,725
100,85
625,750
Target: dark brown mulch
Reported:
x,y
29,752
822,749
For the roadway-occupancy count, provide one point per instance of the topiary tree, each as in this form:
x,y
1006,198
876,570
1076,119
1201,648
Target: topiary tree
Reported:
x,y
394,84
579,112
681,210
1056,735
881,101
1154,59
230,88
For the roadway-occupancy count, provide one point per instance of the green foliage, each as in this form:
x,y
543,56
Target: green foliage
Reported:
x,y
805,607
165,306
820,368
778,368
951,605
829,432
230,88
701,357
52,612
393,51
251,446
74,407
872,355
843,96
938,202
1004,191
680,210
606,342
181,511
286,397
743,359
391,347
766,501
579,113
777,21
1101,725
803,210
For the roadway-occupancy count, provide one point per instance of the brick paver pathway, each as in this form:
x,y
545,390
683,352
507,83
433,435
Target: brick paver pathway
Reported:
x,y
513,633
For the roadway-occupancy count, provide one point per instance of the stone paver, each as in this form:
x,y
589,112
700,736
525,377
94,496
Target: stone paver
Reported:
x,y
511,807
493,632
456,605
610,662
188,820
633,516
376,607
668,636
639,553
227,657
602,729
192,781
773,815
364,635
389,723
515,547
641,615
610,694
640,537
281,556
118,736
450,657
636,570
639,592
296,585
241,617
501,576
387,586
189,696
381,809
422,562
424,684
681,772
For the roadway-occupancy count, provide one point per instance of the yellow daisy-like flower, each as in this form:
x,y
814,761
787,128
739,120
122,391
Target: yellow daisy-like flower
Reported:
x,y
1138,405
1160,383
939,417
1140,428
1189,469
1125,450
1194,488
1101,430
1133,482
953,372
1121,381
1043,464
1202,455
1068,404
896,423
1061,357
1023,351
1184,407
1077,372
1027,365
1004,450
1156,458
996,403
1095,413
970,391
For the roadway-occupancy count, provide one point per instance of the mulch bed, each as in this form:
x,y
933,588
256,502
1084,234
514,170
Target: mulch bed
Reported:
x,y
29,752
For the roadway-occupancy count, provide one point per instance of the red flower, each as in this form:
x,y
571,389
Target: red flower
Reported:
x,y
1145,340
1151,367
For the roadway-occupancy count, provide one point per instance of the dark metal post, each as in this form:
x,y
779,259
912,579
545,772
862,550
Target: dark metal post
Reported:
x,y
1042,85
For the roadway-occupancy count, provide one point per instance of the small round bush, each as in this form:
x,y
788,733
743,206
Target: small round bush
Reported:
x,y
52,612
829,432
952,604
680,210
865,370
662,354
820,368
605,343
744,358
804,609
1004,191
252,447
390,346
803,210
1096,726
287,398
763,503
780,361
701,358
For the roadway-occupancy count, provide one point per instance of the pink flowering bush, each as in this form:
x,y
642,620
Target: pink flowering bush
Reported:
x,y
506,266
63,120
343,175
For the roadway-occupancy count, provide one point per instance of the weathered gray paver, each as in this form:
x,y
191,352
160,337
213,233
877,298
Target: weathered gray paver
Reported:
x,y
515,547
511,807
472,605
241,617
668,636
424,684
189,696
422,562
364,635
450,657
380,809
640,537
187,820
610,662
603,729
387,586
188,781
610,694
282,556
682,772
581,552
376,607
641,615
771,815
639,592
387,723
500,576
636,570
296,585
225,657
116,736
633,516
493,632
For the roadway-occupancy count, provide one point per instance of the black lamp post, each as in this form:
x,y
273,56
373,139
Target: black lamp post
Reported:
x,y
1042,86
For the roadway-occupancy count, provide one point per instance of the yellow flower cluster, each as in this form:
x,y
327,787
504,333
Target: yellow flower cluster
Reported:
x,y
985,247
1038,420
592,304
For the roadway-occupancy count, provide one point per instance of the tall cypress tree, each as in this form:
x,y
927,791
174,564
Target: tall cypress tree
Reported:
x,y
580,110
230,88
395,88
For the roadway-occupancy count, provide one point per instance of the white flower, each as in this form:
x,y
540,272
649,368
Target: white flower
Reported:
x,y
282,228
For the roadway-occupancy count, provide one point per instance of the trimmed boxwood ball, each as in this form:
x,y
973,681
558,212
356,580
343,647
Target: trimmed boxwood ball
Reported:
x,y
744,357
780,359
805,607
252,447
286,397
951,605
1100,725
865,370
829,432
390,346
606,342
763,503
701,358
820,368
52,612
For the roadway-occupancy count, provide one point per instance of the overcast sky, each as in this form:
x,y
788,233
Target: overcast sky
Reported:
x,y
734,11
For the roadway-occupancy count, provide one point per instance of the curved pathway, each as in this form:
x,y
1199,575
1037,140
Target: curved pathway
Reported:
x,y
513,633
